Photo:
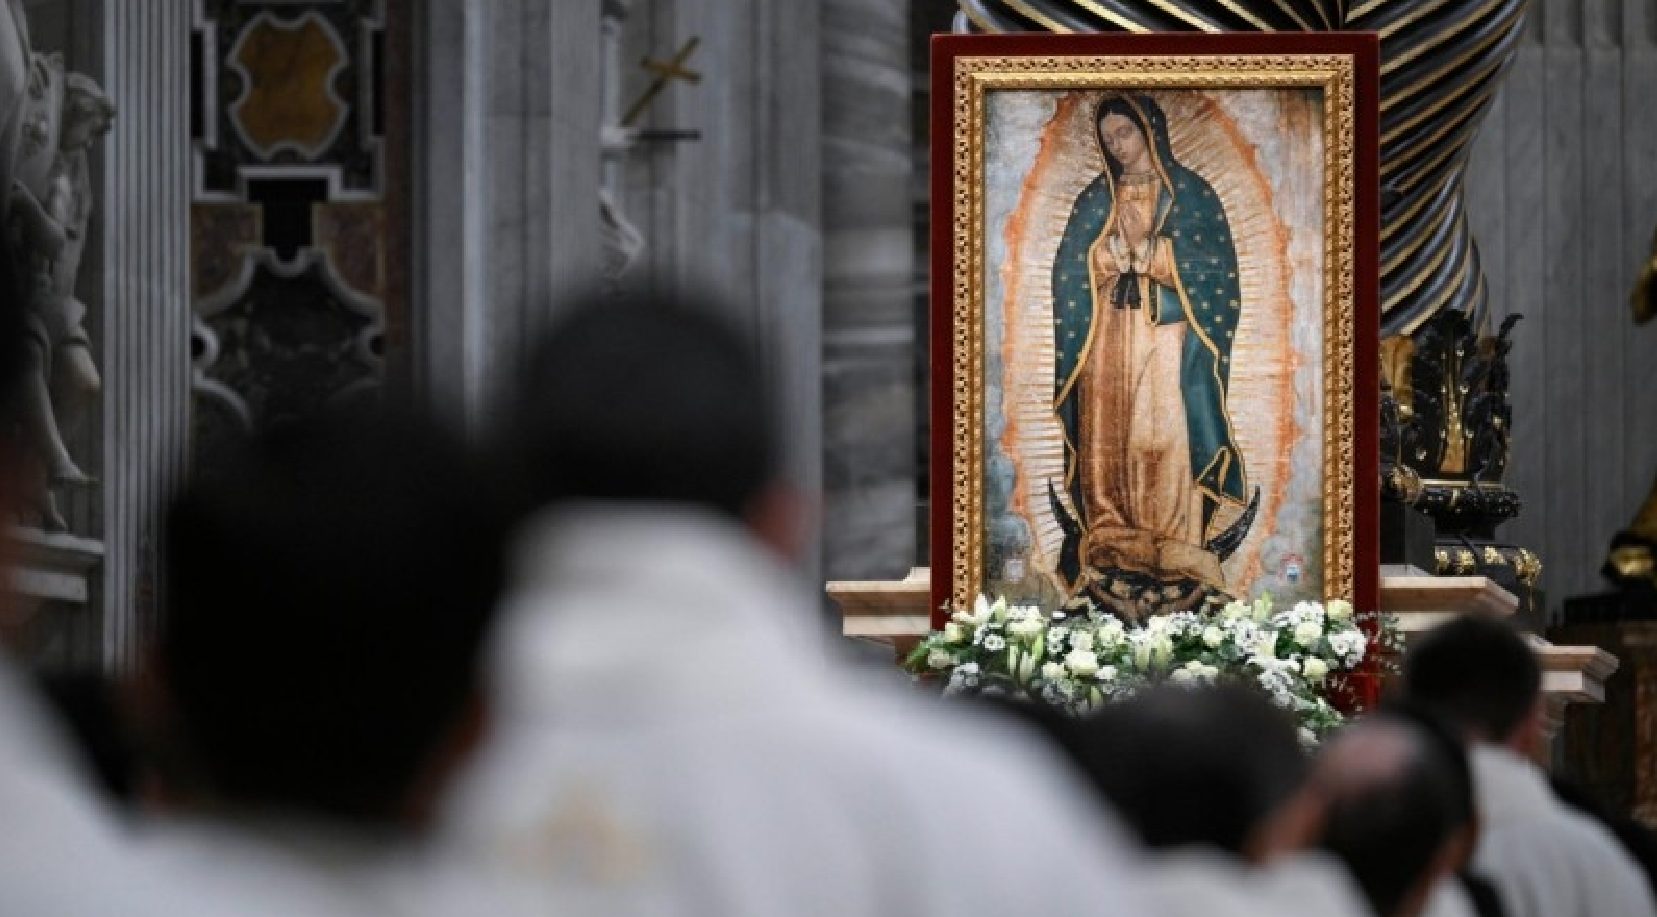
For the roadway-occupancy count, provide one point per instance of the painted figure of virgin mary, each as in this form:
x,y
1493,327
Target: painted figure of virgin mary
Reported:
x,y
1146,302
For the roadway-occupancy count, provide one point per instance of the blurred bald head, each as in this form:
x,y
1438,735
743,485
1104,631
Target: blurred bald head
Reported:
x,y
1210,766
1390,810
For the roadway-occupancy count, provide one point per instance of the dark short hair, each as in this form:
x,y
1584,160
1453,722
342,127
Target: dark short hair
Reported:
x,y
1477,673
86,705
1389,831
1197,765
328,593
646,399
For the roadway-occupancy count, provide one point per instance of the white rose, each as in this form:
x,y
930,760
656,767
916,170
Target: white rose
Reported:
x,y
1026,627
1315,669
964,678
1183,677
954,633
1308,611
1082,662
1210,672
1338,609
1266,646
940,659
1081,640
1111,635
1234,610
1355,645
1213,636
1052,671
1307,633
1107,673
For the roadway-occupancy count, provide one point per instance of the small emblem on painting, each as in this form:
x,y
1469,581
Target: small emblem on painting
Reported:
x,y
1292,566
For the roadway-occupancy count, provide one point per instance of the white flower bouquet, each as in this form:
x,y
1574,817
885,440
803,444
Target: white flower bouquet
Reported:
x,y
1080,658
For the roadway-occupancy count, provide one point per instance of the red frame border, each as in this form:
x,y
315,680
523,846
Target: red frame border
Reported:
x,y
1366,50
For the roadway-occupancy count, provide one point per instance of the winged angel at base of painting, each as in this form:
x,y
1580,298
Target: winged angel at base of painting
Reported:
x,y
1146,301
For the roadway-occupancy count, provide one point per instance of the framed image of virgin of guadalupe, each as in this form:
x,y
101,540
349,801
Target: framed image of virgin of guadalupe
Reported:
x,y
1154,319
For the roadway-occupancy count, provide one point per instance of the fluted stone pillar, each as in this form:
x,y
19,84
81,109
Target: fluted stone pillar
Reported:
x,y
145,312
506,187
869,423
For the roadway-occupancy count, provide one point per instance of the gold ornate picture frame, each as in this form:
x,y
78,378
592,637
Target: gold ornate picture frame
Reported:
x,y
1115,218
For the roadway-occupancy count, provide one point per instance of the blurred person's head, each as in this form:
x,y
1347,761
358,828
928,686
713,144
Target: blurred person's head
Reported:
x,y
1637,839
1212,766
1389,813
1481,677
654,400
328,594
1451,748
87,705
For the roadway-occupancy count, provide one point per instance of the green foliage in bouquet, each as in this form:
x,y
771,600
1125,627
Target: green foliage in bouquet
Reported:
x,y
1080,658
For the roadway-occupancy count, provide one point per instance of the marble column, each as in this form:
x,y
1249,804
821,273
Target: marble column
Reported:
x,y
506,185
869,384
738,209
509,208
144,199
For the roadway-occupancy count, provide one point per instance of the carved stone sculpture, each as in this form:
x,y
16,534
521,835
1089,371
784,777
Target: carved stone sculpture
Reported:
x,y
623,242
14,79
1644,299
48,212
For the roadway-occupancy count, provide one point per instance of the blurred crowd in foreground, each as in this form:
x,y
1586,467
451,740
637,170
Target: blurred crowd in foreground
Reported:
x,y
575,673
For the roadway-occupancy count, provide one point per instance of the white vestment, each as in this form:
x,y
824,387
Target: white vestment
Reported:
x,y
62,854
672,737
1545,858
301,867
1208,883
1450,899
